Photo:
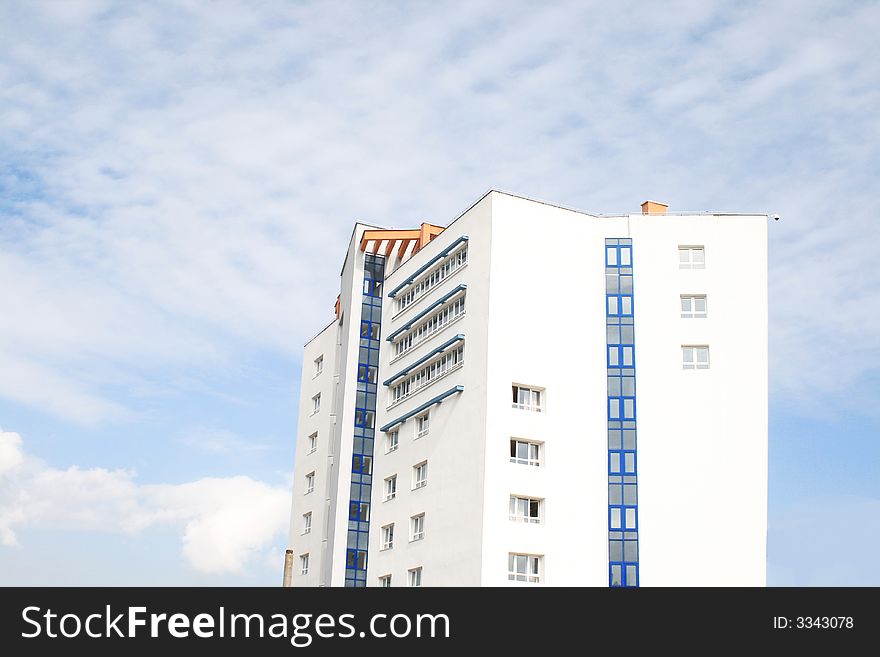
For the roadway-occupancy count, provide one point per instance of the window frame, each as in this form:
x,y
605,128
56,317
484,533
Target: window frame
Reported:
x,y
310,482
529,577
414,577
514,516
416,482
319,366
392,441
417,521
385,581
693,313
541,404
307,523
423,424
537,461
690,249
313,443
387,537
316,404
694,363
304,564
390,482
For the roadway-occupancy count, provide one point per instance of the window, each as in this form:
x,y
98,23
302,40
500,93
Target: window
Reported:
x,y
422,286
304,564
695,358
310,482
693,306
523,567
420,475
525,509
525,452
415,576
391,441
691,257
447,362
316,403
388,536
528,399
385,581
319,365
390,488
417,525
307,522
423,424
313,442
449,312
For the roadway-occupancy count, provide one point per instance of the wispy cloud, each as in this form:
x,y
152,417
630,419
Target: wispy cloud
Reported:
x,y
178,179
220,441
224,523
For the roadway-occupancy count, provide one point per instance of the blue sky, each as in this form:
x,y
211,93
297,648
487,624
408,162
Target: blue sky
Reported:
x,y
178,182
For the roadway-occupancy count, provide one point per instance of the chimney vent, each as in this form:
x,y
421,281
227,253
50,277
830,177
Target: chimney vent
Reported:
x,y
654,207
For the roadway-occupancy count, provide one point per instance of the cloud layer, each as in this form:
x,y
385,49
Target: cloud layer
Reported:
x,y
178,179
224,523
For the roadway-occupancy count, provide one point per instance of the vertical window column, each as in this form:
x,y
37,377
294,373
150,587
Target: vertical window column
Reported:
x,y
364,422
623,516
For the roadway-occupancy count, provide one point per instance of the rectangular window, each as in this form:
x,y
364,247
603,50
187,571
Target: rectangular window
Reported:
x,y
313,442
428,282
525,452
310,482
420,475
319,365
691,257
524,567
316,403
388,536
415,576
385,581
423,423
695,357
390,488
307,522
525,509
449,312
528,399
693,306
447,362
391,441
304,564
417,527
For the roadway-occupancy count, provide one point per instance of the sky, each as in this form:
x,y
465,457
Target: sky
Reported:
x,y
179,180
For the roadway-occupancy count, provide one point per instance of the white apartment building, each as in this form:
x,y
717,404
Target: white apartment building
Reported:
x,y
535,395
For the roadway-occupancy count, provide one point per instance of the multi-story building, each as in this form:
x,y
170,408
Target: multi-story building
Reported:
x,y
537,395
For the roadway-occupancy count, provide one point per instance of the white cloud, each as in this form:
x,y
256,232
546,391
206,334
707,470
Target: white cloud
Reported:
x,y
225,523
183,179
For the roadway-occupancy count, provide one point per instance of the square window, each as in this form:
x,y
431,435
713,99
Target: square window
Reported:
x,y
691,257
524,567
385,581
525,452
529,399
525,509
693,306
695,357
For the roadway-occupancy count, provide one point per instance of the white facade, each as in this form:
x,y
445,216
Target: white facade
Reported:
x,y
535,316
